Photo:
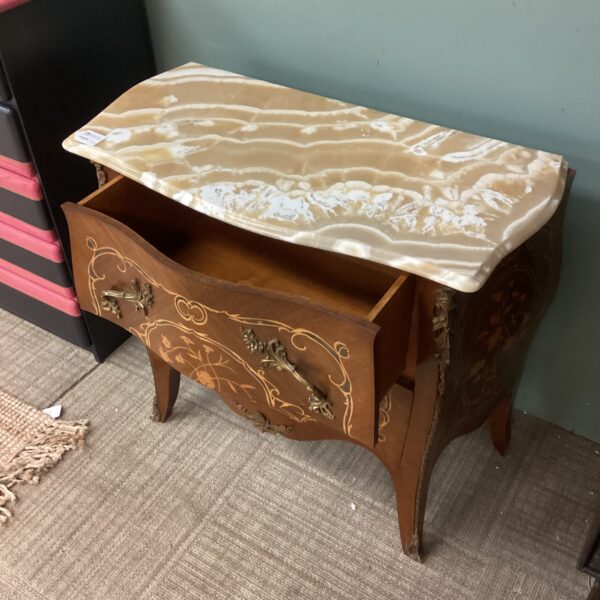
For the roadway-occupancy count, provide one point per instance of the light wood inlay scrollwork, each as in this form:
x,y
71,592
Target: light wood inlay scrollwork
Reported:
x,y
190,333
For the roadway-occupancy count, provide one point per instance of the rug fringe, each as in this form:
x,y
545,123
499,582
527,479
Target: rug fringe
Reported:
x,y
41,454
6,497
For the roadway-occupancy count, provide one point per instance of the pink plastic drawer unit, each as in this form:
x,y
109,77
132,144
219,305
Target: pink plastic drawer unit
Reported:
x,y
44,315
13,277
24,185
47,248
8,4
22,198
46,235
26,169
39,281
55,272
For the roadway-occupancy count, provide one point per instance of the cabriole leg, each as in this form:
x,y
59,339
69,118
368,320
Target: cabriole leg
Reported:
x,y
166,383
500,421
411,485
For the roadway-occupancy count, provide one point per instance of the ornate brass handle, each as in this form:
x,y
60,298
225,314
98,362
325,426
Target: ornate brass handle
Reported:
x,y
140,296
273,354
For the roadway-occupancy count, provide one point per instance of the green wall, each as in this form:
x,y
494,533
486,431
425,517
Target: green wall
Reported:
x,y
526,71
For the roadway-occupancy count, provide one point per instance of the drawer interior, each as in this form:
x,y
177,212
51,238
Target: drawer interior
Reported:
x,y
216,249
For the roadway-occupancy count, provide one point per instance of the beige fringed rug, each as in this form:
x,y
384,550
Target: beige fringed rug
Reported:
x,y
31,443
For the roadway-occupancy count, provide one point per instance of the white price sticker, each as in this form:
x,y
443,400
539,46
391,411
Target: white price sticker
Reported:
x,y
88,137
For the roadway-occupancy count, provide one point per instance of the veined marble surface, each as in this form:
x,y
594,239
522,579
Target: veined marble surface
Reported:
x,y
437,202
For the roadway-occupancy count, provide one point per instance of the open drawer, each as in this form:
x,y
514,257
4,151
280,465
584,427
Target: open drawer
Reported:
x,y
310,335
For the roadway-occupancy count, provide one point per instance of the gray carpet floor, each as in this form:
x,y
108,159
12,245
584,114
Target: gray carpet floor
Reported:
x,y
207,507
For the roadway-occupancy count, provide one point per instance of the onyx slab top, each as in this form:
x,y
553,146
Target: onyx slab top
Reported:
x,y
441,203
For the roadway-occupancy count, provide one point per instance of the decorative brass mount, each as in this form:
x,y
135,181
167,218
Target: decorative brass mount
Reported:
x,y
100,174
140,296
261,422
273,354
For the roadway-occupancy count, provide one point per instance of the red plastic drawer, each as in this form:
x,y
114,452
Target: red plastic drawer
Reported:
x,y
48,235
8,4
24,185
23,168
67,291
22,198
28,237
28,285
43,315
55,272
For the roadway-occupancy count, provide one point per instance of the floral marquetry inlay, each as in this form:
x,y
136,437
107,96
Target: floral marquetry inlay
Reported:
x,y
501,325
203,361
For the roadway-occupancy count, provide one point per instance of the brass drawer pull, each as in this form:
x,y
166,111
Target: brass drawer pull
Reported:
x,y
273,354
141,296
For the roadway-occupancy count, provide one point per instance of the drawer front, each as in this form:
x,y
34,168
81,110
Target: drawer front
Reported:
x,y
35,310
25,209
42,242
12,144
30,284
55,272
19,183
265,351
26,169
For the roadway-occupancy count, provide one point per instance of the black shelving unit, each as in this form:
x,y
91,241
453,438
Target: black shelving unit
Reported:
x,y
61,62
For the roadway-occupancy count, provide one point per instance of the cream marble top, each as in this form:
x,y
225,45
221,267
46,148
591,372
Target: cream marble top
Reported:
x,y
310,170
